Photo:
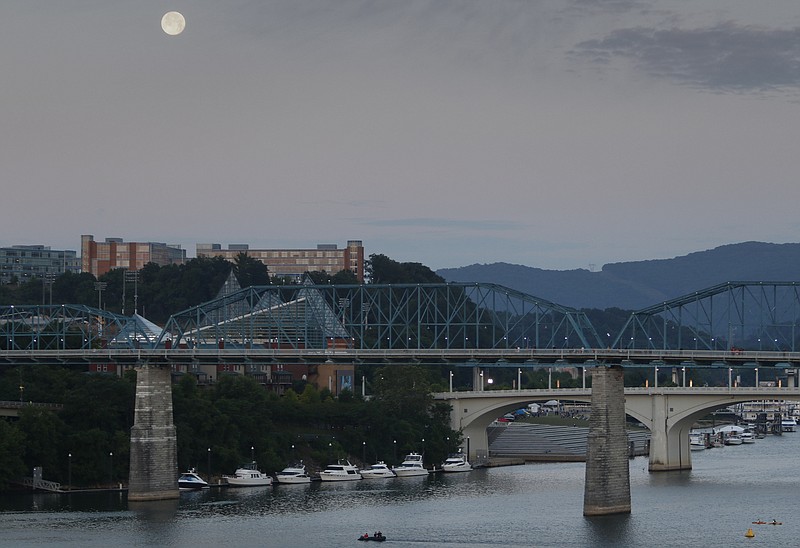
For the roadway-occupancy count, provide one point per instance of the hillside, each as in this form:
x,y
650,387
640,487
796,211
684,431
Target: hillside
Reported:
x,y
638,284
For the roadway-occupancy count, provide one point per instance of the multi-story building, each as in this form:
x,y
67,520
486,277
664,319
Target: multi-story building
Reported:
x,y
295,262
100,257
24,262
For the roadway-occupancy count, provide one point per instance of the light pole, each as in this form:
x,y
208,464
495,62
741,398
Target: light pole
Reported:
x,y
655,383
519,378
209,465
684,376
423,446
111,468
364,452
756,377
451,381
549,378
481,380
394,449
100,287
730,378
69,471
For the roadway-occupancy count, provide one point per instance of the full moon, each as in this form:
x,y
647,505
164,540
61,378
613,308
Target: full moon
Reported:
x,y
173,23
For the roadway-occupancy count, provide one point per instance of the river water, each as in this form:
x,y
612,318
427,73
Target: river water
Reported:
x,y
531,505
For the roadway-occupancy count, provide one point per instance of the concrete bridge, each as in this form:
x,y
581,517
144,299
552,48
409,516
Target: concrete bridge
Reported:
x,y
668,412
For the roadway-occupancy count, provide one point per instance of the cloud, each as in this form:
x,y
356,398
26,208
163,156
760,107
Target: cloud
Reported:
x,y
462,224
725,57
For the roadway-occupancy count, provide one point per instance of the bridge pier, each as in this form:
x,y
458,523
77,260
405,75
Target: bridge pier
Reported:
x,y
669,443
607,488
154,455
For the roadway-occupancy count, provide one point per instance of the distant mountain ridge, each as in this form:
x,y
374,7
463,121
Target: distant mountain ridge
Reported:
x,y
638,284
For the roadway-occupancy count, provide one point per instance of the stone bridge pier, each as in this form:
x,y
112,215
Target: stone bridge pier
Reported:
x,y
608,488
154,454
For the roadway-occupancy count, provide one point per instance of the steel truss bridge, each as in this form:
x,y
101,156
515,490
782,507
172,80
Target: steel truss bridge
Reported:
x,y
737,324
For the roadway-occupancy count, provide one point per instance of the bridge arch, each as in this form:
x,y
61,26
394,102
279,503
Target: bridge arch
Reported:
x,y
668,413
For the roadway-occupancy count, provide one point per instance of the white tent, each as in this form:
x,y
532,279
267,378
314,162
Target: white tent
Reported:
x,y
727,429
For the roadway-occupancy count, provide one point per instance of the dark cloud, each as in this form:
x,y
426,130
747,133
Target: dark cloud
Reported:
x,y
726,57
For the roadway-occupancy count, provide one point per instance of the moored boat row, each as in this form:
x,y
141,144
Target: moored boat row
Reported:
x,y
248,475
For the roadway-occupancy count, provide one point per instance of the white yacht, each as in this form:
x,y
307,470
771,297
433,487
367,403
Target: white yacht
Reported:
x,y
342,471
248,475
457,462
788,424
697,442
377,471
748,436
411,466
190,480
294,473
733,439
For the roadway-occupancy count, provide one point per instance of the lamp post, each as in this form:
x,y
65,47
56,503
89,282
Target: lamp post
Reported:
x,y
655,382
69,471
756,377
549,378
481,389
364,452
519,378
110,467
423,446
100,287
252,454
730,378
451,380
683,370
394,449
209,465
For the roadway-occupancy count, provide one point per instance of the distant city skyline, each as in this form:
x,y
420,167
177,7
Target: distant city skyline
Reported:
x,y
558,134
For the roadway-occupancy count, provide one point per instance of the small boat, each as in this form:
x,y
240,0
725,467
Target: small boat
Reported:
x,y
342,471
748,437
411,466
294,473
457,462
377,471
189,480
697,442
733,439
788,425
248,475
377,537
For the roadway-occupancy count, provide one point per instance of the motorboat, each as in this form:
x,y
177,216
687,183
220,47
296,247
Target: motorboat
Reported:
x,y
377,537
457,462
697,442
342,471
248,475
733,439
411,466
788,424
748,437
190,480
294,473
377,471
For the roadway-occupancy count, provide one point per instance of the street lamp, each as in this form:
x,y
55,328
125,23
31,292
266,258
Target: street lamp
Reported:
x,y
481,389
69,470
730,377
111,467
423,446
394,449
519,378
209,465
655,384
364,452
756,377
451,381
683,370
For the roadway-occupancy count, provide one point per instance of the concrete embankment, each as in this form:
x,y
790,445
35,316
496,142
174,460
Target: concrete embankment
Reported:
x,y
548,443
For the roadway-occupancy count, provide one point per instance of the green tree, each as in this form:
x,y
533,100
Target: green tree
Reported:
x,y
250,271
12,449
